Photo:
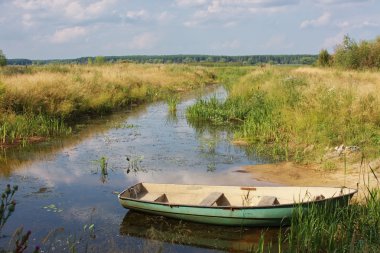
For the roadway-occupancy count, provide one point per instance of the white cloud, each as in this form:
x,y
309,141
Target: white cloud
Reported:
x,y
191,23
141,14
164,17
73,9
230,24
227,9
79,11
27,20
341,1
40,4
68,34
99,7
321,21
358,24
187,3
143,41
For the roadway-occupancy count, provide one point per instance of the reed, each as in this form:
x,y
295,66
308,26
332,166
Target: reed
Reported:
x,y
354,228
172,102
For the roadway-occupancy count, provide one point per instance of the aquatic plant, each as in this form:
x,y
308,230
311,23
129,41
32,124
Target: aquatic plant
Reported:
x,y
103,165
172,102
134,163
53,208
21,241
8,204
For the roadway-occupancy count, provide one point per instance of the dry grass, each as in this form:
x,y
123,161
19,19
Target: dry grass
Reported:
x,y
69,89
64,92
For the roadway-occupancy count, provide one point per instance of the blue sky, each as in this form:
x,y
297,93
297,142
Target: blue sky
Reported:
x,y
47,29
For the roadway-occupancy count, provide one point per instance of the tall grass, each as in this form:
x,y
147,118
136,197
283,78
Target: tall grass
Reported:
x,y
353,228
44,100
284,110
331,228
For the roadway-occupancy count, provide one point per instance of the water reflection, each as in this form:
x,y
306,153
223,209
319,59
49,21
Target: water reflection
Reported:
x,y
147,144
165,230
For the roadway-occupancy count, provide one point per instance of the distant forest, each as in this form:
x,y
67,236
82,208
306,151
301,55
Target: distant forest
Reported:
x,y
205,59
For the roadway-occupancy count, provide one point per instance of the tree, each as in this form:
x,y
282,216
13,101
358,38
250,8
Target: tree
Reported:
x,y
3,60
347,54
99,60
324,58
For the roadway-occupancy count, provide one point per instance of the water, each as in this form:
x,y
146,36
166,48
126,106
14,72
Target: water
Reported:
x,y
62,190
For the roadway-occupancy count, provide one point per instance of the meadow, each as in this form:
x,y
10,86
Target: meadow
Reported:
x,y
284,113
43,101
297,113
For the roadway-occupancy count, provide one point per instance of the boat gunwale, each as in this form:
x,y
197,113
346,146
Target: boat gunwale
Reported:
x,y
232,208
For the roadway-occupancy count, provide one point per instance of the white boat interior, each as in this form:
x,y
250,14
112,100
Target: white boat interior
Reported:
x,y
202,195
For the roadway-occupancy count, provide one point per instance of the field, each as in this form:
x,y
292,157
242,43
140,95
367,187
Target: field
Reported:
x,y
41,101
298,113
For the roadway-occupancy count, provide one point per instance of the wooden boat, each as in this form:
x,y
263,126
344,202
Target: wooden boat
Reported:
x,y
229,205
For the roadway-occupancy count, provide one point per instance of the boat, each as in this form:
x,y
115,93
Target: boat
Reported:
x,y
230,205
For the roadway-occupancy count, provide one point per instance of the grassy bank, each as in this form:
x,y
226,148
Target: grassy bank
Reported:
x,y
44,100
298,113
353,228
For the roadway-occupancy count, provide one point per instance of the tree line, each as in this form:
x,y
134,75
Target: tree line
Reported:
x,y
243,60
352,55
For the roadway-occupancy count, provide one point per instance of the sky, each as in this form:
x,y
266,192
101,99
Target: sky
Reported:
x,y
61,29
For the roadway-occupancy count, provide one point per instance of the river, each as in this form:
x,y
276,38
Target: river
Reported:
x,y
62,190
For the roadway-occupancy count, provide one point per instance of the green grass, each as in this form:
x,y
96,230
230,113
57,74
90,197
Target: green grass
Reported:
x,y
283,110
351,228
172,102
15,127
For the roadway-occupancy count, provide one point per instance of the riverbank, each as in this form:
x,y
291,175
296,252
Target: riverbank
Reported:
x,y
356,176
299,114
44,101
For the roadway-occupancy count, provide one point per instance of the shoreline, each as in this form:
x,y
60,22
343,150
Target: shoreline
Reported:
x,y
288,173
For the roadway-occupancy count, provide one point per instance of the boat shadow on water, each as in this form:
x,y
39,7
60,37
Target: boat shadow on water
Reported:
x,y
177,232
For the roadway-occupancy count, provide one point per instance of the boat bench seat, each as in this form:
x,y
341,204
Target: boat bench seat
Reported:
x,y
211,199
155,197
268,201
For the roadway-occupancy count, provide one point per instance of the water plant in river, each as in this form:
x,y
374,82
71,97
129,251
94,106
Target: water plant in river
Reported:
x,y
134,163
172,102
8,204
103,166
20,241
53,208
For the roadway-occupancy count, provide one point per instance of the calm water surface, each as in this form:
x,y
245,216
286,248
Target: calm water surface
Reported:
x,y
61,188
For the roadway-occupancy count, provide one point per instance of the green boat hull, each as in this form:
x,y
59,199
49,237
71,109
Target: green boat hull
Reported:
x,y
228,216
